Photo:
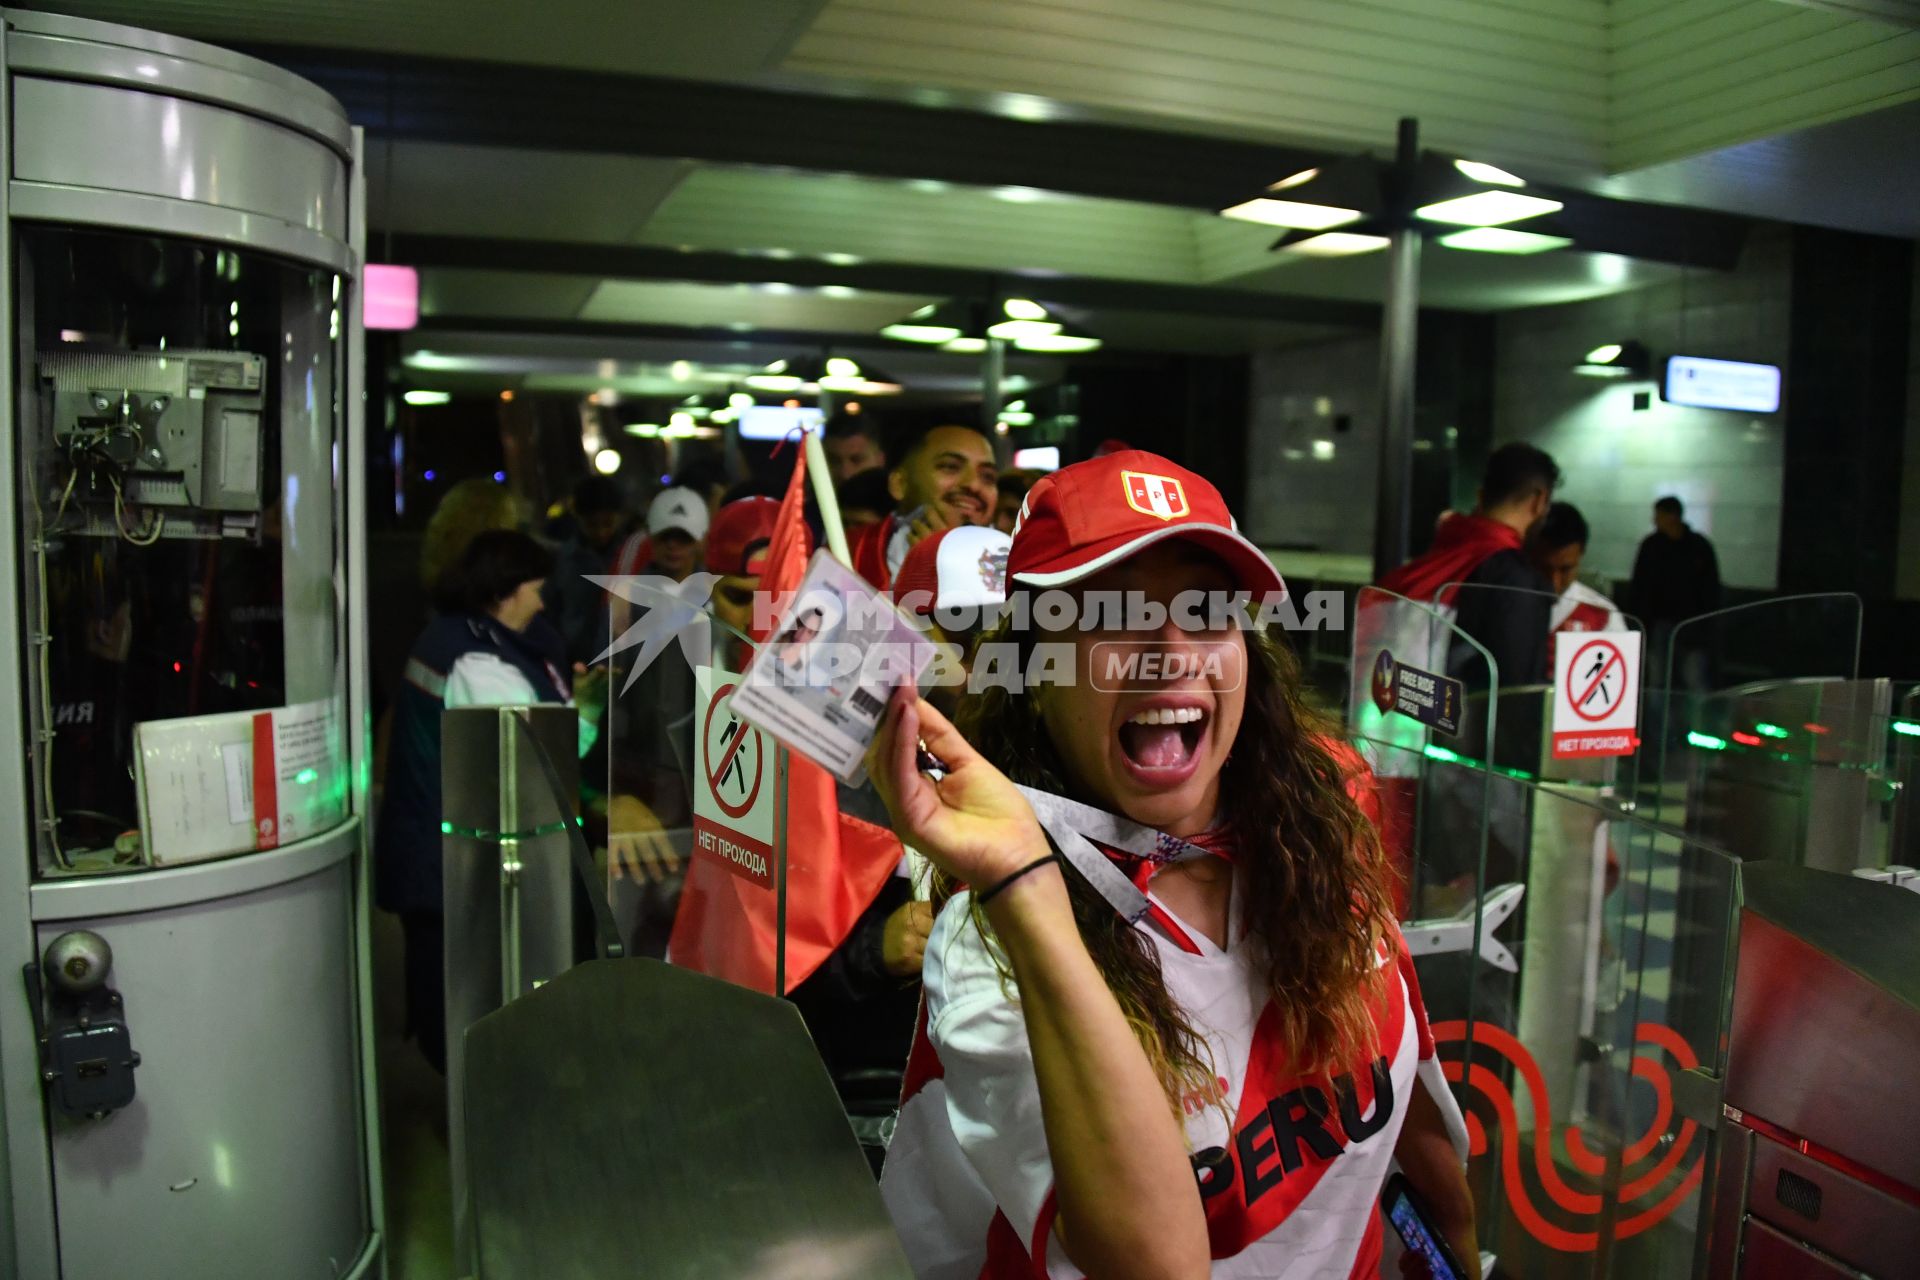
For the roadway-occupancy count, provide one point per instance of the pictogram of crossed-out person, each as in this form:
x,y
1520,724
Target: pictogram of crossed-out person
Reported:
x,y
1598,674
1594,680
732,768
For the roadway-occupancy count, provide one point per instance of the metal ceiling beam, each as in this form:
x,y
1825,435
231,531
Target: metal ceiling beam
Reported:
x,y
556,109
791,339
646,262
609,330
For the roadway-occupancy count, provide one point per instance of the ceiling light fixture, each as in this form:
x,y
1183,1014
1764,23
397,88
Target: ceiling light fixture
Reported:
x,y
808,373
1022,317
1503,240
1487,209
936,323
1318,198
1492,176
1068,341
1616,360
775,377
1336,244
1291,213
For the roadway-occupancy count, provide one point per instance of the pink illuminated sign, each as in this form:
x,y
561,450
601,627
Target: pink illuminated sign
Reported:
x,y
390,297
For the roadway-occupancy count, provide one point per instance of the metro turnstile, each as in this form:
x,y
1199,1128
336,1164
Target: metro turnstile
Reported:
x,y
508,886
634,1119
1819,1171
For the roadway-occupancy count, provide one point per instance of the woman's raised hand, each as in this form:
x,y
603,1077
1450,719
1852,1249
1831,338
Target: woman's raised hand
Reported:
x,y
973,824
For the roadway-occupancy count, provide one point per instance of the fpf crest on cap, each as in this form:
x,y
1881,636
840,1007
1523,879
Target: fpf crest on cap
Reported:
x,y
1094,514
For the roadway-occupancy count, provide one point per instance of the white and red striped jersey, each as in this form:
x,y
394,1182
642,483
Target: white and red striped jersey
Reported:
x,y
1290,1173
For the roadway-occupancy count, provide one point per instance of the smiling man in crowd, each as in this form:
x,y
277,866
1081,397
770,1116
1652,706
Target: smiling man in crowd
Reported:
x,y
944,479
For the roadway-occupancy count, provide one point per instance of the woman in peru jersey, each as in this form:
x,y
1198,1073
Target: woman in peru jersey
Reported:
x,y
1220,1088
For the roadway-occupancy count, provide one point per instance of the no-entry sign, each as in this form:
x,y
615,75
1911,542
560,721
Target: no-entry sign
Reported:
x,y
733,794
1596,694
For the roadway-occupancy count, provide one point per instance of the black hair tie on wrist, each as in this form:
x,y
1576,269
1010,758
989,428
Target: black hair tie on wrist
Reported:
x,y
984,898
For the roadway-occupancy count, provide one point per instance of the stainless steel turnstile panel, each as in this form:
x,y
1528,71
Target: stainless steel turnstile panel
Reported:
x,y
1822,1086
634,1119
1825,805
507,881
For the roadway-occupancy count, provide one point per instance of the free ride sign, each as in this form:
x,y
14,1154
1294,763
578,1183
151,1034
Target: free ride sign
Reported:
x,y
733,795
1596,694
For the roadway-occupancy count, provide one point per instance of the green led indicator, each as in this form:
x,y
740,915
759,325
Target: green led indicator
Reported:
x,y
1771,731
1706,741
446,828
1440,753
305,776
1908,727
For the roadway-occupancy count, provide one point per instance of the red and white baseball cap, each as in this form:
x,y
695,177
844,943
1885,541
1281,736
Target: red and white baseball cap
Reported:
x,y
1083,518
737,543
959,568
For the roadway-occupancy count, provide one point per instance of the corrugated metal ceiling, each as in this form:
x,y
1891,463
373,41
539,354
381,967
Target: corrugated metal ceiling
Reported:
x,y
697,39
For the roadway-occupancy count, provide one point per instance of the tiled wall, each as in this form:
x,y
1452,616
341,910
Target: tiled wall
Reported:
x,y
1726,467
1309,485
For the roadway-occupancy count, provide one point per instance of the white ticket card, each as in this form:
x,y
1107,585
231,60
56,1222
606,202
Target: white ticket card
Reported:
x,y
821,684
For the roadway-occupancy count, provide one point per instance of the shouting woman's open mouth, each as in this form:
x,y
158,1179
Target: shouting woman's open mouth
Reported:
x,y
1160,742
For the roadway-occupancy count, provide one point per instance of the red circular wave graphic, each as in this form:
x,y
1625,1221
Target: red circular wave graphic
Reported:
x,y
1636,1182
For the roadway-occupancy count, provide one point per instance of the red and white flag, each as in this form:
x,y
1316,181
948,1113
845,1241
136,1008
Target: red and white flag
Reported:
x,y
835,865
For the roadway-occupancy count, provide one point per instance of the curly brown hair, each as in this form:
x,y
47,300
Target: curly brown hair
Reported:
x,y
1316,883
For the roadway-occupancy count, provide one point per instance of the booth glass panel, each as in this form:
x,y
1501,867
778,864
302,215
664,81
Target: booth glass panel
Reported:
x,y
179,496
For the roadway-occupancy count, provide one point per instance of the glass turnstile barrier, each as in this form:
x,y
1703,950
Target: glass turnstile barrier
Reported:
x,y
671,773
1764,741
1903,742
1572,965
1574,1007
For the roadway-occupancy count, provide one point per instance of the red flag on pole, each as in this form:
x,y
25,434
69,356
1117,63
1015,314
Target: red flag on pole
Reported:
x,y
834,866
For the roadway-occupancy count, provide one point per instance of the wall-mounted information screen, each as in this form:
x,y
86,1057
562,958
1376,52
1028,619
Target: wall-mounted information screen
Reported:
x,y
1722,384
773,422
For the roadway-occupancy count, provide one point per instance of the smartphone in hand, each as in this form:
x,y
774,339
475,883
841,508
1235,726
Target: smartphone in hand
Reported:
x,y
1414,1225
